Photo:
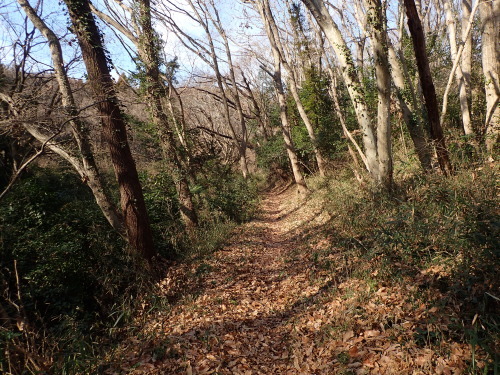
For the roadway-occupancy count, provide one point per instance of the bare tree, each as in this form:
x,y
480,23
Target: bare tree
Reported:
x,y
159,100
452,36
427,84
489,11
207,51
148,52
456,66
378,30
409,108
292,75
263,8
87,168
113,125
467,42
216,21
349,73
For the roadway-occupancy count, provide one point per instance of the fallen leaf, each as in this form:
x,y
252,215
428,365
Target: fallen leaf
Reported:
x,y
348,335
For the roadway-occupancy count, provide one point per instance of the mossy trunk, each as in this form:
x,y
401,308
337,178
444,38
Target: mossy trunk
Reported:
x,y
135,216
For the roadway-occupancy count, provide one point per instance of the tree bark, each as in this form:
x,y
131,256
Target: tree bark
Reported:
x,y
131,197
378,30
285,128
409,111
489,11
452,34
456,65
320,161
148,53
467,53
349,74
429,92
88,171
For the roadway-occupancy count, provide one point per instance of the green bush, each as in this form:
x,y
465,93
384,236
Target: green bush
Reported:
x,y
225,193
221,196
429,220
52,227
163,210
71,266
272,157
76,280
318,104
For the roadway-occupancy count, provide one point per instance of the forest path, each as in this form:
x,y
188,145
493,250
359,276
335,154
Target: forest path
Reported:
x,y
282,298
251,290
237,316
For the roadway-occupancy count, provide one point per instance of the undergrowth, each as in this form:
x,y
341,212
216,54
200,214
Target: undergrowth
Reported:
x,y
70,287
438,233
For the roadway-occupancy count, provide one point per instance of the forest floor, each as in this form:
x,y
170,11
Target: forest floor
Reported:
x,y
280,298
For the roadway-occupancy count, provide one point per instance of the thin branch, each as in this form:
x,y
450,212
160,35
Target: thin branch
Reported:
x,y
110,21
456,62
24,166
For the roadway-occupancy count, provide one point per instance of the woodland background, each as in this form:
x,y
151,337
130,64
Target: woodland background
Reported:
x,y
136,135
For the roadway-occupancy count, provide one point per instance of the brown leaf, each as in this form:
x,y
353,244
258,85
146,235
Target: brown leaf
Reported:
x,y
296,363
347,335
353,352
371,333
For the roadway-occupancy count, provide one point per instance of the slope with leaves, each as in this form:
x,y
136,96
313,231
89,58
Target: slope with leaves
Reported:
x,y
282,298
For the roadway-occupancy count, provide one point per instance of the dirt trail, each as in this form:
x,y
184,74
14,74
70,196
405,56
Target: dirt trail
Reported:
x,y
252,289
264,305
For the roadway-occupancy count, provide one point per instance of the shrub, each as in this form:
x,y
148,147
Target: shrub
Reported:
x,y
272,156
74,277
430,220
225,193
71,266
163,209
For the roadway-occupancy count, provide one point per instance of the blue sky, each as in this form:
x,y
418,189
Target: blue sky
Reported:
x,y
12,26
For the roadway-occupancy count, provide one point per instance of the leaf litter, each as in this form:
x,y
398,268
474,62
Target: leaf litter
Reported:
x,y
267,303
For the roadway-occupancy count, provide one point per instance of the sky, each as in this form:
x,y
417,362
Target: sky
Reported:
x,y
12,27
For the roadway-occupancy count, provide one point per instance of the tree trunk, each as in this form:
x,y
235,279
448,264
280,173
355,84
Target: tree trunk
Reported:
x,y
467,52
378,27
489,11
409,111
418,39
320,161
285,128
148,53
280,93
452,34
349,74
88,170
131,198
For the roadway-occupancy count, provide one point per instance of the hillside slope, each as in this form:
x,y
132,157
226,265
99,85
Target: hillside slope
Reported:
x,y
282,298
